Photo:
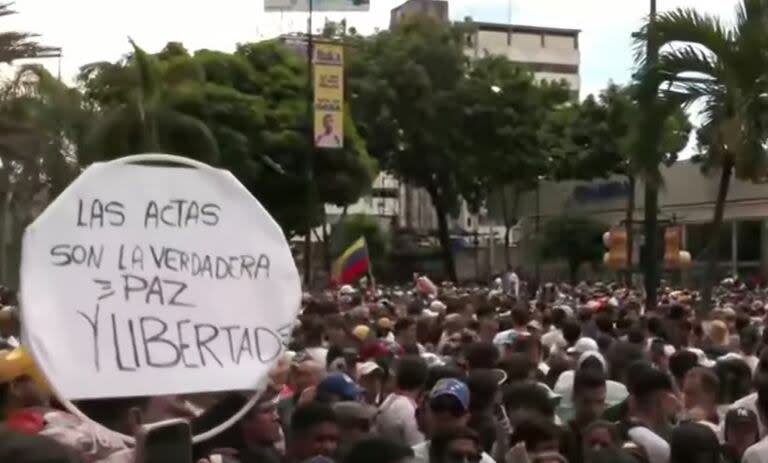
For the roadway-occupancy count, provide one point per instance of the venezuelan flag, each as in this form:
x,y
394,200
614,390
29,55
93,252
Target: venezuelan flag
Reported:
x,y
351,264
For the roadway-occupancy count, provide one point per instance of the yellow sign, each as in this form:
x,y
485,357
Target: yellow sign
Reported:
x,y
328,68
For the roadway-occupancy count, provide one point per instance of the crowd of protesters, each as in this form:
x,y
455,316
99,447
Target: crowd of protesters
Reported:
x,y
573,373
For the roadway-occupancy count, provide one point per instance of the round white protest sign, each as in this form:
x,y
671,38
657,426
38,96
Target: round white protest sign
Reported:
x,y
152,280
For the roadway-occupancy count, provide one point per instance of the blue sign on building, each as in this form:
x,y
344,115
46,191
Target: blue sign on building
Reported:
x,y
601,191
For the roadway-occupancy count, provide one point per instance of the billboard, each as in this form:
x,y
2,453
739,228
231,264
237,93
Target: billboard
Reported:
x,y
328,70
317,5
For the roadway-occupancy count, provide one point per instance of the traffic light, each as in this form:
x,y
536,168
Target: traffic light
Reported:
x,y
674,256
615,240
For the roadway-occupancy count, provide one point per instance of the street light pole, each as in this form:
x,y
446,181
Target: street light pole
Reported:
x,y
310,151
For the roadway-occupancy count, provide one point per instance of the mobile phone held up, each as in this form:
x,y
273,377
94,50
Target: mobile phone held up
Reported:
x,y
164,442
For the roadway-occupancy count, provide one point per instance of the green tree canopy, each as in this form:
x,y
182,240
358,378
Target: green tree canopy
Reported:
x,y
575,240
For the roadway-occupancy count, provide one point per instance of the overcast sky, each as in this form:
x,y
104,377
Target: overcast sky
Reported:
x,y
95,30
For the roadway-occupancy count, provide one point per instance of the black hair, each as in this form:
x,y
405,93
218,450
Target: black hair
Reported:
x,y
571,331
441,439
309,415
403,324
532,430
411,373
377,450
436,373
521,316
482,355
680,363
649,383
761,386
735,379
694,442
749,339
587,379
483,387
604,323
25,448
517,366
528,396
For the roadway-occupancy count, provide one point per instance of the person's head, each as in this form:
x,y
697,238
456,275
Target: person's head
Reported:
x,y
458,444
741,430
749,339
589,393
261,425
482,355
123,414
328,123
355,422
571,331
694,442
650,397
370,377
701,388
411,373
336,387
484,390
537,433
525,398
680,363
735,379
335,330
25,448
520,317
314,431
598,435
378,450
447,406
405,331
304,374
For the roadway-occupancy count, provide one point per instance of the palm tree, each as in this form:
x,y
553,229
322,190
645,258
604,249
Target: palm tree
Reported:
x,y
135,99
723,68
21,45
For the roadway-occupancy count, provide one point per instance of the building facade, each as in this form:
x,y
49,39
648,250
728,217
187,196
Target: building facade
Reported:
x,y
687,198
550,53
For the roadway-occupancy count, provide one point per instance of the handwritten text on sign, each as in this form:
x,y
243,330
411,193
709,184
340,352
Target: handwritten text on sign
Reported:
x,y
169,285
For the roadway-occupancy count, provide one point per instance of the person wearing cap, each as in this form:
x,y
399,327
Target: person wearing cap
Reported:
x,y
361,333
370,377
337,387
447,408
739,433
384,327
355,421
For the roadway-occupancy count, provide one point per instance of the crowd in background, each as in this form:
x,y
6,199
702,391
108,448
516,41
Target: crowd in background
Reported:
x,y
481,374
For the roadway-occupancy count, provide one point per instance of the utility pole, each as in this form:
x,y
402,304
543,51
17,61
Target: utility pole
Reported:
x,y
651,206
310,151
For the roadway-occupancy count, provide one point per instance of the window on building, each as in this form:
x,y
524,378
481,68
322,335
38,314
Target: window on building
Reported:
x,y
697,240
749,238
509,38
576,42
469,222
469,40
543,40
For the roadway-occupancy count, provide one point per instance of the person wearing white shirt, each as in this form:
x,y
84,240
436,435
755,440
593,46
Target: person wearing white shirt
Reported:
x,y
758,453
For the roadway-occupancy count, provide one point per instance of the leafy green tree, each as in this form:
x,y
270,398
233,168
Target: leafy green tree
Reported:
x,y
354,226
21,45
574,239
722,67
504,145
136,116
403,86
252,108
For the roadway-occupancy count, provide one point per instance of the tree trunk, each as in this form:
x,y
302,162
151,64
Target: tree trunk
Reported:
x,y
629,220
710,276
443,233
651,264
507,227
